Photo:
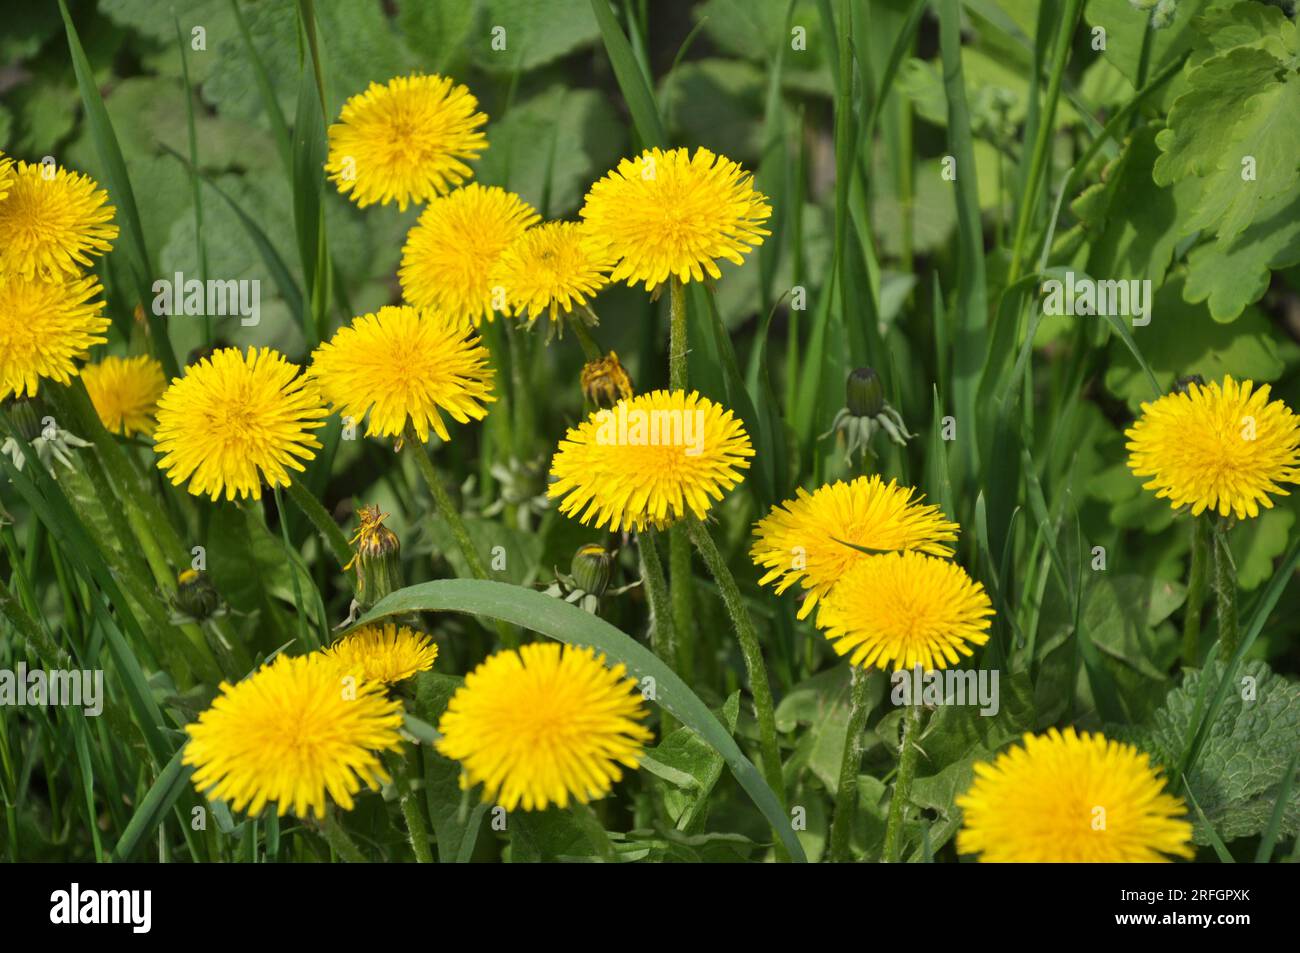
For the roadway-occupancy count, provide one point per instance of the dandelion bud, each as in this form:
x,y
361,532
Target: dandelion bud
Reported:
x,y
195,595
592,568
863,394
25,414
377,558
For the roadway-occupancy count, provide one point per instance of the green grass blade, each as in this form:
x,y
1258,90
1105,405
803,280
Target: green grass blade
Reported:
x,y
167,788
120,192
1265,852
565,623
631,80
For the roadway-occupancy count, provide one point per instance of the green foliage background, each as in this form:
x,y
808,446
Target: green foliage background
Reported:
x,y
1061,164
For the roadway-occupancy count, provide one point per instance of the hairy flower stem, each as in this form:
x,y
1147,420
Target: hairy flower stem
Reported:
x,y
412,446
1197,577
750,649
663,638
402,768
339,840
320,518
679,546
595,831
846,795
590,349
902,784
415,448
1225,591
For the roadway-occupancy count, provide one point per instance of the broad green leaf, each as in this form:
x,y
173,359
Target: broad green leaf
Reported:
x,y
1231,274
691,767
535,32
1246,751
1183,339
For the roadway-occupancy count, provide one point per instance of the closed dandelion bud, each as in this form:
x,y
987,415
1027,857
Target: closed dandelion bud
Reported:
x,y
377,558
25,415
865,412
605,381
863,394
592,568
195,595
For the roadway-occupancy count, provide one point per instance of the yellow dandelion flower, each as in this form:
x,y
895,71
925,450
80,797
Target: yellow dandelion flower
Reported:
x,y
125,392
291,733
6,174
907,609
544,725
236,419
1222,448
649,460
803,540
405,141
449,256
383,653
44,326
550,267
673,214
402,364
53,224
1071,798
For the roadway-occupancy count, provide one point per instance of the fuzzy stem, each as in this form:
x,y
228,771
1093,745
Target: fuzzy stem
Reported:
x,y
846,797
903,784
339,840
1197,575
330,531
580,330
417,831
676,335
1225,591
415,448
756,668
663,636
596,832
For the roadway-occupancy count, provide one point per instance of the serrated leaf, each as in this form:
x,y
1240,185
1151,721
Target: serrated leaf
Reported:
x,y
1246,751
1231,274
1183,339
1203,119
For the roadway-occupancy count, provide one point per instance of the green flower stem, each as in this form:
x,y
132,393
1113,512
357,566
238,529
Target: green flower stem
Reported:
x,y
662,634
339,840
750,649
683,600
1225,591
676,335
595,831
306,635
902,784
679,547
846,797
330,531
1197,576
663,637
415,449
580,330
417,831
